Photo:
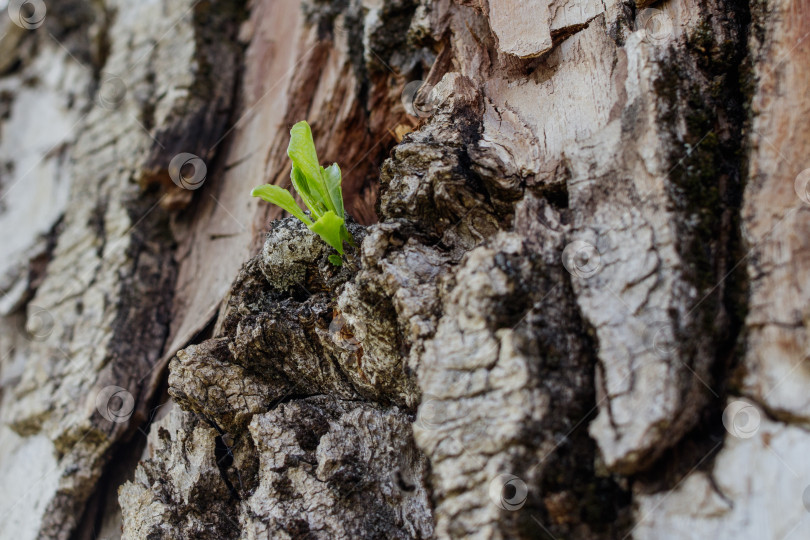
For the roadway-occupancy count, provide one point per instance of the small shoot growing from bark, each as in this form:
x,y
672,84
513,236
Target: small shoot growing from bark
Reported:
x,y
318,187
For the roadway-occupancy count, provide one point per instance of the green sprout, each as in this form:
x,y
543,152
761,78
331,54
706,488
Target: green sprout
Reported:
x,y
319,188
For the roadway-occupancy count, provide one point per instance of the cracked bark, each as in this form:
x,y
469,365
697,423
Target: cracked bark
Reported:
x,y
576,308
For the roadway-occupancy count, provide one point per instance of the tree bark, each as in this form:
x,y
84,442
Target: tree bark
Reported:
x,y
576,307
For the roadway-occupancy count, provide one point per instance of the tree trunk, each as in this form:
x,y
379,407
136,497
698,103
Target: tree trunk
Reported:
x,y
577,307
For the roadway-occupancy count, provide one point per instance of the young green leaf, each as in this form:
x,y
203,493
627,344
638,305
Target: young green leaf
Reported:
x,y
332,177
335,259
328,227
310,199
283,198
303,155
302,150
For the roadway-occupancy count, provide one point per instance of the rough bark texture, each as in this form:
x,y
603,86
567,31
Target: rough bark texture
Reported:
x,y
577,307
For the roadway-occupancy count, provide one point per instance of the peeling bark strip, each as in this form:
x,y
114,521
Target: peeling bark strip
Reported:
x,y
577,307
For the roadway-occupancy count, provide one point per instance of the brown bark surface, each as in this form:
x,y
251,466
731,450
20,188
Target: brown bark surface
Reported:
x,y
577,307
